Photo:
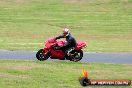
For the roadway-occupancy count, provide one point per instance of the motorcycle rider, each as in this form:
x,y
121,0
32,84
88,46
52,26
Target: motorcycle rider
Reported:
x,y
70,42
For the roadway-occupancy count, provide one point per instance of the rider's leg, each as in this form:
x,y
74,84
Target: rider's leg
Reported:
x,y
68,51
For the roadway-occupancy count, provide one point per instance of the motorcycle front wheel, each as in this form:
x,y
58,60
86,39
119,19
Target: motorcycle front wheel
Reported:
x,y
40,55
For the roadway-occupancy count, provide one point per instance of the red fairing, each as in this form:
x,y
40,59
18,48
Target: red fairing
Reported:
x,y
60,43
80,45
50,42
57,54
46,50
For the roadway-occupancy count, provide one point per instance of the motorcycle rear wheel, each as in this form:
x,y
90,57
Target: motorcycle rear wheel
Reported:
x,y
77,56
40,55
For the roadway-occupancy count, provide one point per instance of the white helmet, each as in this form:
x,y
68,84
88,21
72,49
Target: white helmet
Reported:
x,y
66,32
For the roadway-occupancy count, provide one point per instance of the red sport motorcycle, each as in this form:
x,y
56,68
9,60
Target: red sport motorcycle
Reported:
x,y
75,55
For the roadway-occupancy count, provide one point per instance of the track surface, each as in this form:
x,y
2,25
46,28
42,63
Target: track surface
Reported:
x,y
124,58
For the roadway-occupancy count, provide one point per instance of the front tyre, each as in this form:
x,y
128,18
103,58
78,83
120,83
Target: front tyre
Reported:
x,y
76,56
40,55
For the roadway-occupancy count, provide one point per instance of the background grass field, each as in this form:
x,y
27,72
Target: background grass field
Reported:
x,y
106,25
36,74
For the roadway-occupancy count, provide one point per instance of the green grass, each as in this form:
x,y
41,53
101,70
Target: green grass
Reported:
x,y
36,74
106,25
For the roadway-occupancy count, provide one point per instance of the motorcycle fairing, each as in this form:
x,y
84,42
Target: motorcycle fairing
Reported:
x,y
58,54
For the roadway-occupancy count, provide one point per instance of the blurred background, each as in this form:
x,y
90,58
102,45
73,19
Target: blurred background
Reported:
x,y
106,25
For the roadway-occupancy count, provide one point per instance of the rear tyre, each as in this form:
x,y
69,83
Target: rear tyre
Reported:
x,y
40,55
76,56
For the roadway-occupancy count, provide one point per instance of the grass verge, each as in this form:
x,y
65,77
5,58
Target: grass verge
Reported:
x,y
36,74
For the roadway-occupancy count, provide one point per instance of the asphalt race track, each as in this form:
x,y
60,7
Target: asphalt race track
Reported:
x,y
124,58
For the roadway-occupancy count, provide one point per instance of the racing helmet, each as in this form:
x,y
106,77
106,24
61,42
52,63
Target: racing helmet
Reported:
x,y
66,32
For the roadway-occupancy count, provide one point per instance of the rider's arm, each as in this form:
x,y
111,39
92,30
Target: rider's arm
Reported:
x,y
61,36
